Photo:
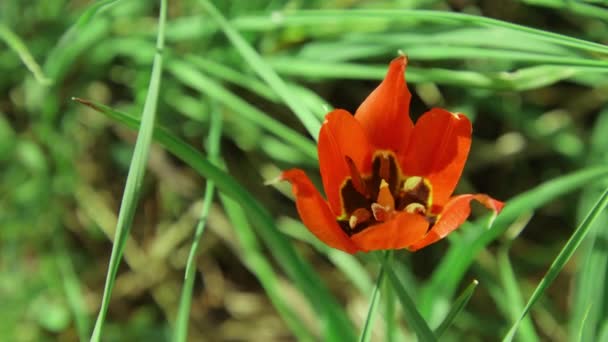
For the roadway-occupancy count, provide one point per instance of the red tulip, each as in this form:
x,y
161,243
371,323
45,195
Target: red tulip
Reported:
x,y
388,182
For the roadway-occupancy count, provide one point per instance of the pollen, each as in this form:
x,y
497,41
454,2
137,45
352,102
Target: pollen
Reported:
x,y
411,183
415,208
360,215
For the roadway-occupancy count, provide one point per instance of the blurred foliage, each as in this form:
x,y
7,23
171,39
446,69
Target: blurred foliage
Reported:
x,y
539,108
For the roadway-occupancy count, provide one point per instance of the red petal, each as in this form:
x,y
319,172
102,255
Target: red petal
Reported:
x,y
385,113
340,136
438,150
455,212
315,213
400,232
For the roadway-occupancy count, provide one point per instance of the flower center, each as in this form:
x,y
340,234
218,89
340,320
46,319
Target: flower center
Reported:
x,y
376,198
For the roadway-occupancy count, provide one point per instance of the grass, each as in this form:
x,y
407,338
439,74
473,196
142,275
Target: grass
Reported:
x,y
114,211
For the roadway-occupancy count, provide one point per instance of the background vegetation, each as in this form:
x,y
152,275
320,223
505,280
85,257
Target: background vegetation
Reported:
x,y
246,84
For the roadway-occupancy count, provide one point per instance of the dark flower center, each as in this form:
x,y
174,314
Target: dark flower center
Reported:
x,y
376,198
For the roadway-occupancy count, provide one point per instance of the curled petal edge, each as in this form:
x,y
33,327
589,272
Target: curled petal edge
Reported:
x,y
455,213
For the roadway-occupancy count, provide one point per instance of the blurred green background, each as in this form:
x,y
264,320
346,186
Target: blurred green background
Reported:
x,y
539,104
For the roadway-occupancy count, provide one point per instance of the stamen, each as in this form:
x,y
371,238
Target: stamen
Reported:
x,y
411,183
360,215
381,213
358,181
385,198
415,208
385,167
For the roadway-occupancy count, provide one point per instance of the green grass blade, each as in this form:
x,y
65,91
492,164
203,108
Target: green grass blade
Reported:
x,y
393,333
335,319
72,289
590,298
459,257
308,119
520,79
135,176
183,311
14,42
561,260
348,264
254,259
192,77
457,307
366,332
360,17
313,101
410,312
514,297
96,8
577,7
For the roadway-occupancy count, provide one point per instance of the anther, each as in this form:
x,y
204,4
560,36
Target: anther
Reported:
x,y
415,208
360,215
411,183
381,213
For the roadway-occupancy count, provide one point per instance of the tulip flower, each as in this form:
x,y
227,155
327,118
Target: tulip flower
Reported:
x,y
388,182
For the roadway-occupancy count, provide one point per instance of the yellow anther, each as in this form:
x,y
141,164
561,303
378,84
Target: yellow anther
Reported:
x,y
411,183
381,213
415,208
360,215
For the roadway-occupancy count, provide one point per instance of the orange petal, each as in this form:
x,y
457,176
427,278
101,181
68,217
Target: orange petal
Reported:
x,y
455,212
400,232
438,149
340,136
315,213
385,113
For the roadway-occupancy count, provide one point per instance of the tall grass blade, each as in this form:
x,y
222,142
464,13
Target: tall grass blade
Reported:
x,y
183,311
513,296
457,307
334,317
410,312
135,176
366,332
308,119
254,259
561,260
459,257
359,16
16,44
